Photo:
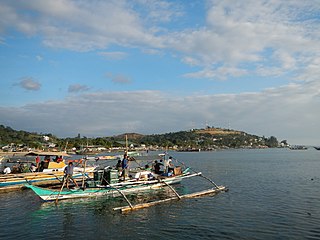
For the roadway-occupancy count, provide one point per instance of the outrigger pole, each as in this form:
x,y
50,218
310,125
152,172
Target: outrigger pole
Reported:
x,y
175,192
84,172
122,194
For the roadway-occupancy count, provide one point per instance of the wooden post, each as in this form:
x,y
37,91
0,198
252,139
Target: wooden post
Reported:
x,y
84,172
66,179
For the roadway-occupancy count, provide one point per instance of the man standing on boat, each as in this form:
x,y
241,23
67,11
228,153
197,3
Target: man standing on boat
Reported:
x,y
68,171
124,166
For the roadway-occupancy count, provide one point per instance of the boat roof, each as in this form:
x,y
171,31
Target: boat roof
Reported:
x,y
35,153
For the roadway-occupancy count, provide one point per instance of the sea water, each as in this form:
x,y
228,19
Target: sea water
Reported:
x,y
273,194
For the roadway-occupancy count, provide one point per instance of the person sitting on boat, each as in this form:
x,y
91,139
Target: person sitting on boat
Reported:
x,y
68,171
6,170
33,167
38,162
23,168
58,159
168,174
162,169
124,165
157,167
41,166
147,167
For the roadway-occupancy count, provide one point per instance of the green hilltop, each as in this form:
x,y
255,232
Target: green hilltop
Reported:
x,y
209,138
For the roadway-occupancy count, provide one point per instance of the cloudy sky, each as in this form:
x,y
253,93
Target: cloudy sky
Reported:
x,y
101,68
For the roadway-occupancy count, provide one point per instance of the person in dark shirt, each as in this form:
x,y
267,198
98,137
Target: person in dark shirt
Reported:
x,y
68,171
157,167
124,165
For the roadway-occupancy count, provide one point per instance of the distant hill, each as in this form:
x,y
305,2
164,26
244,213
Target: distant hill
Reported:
x,y
14,138
131,136
205,139
217,131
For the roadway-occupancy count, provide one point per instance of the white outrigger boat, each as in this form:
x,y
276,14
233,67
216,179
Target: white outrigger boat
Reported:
x,y
107,183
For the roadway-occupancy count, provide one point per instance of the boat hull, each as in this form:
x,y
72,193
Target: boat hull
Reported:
x,y
110,190
12,182
49,195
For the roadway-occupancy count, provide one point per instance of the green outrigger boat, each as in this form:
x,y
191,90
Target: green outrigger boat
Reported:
x,y
107,183
114,190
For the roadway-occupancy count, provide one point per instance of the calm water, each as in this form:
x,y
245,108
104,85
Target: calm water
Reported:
x,y
274,194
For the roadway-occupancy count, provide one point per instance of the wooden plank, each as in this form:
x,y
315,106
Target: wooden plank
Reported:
x,y
191,195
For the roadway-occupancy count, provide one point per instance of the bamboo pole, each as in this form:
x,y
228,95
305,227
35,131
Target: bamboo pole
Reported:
x,y
126,144
122,194
64,182
84,171
191,195
177,194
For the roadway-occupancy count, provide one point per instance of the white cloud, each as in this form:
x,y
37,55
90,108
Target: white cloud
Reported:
x,y
113,55
247,34
235,35
29,84
75,88
77,25
288,112
39,58
220,73
256,38
119,78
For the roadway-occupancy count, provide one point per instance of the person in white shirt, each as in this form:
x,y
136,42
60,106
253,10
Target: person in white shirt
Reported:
x,y
168,164
6,170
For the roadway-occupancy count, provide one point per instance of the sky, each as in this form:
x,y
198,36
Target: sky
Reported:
x,y
103,68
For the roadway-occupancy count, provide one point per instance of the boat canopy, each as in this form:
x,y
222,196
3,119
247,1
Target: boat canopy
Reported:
x,y
34,153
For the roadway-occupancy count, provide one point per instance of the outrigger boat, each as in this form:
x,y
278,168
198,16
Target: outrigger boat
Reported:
x,y
51,174
58,166
106,183
110,189
11,182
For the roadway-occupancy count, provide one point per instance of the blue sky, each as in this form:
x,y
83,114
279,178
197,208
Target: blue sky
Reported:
x,y
101,68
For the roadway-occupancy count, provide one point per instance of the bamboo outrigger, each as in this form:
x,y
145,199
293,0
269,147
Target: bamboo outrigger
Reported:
x,y
179,197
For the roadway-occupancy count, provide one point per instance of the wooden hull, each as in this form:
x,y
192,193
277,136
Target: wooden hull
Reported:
x,y
11,182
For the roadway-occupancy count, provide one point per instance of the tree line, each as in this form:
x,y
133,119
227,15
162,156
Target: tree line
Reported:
x,y
192,139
